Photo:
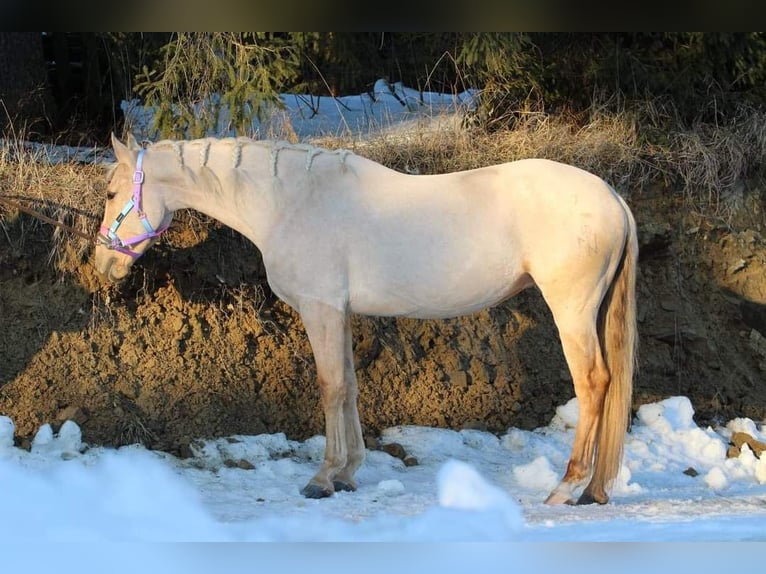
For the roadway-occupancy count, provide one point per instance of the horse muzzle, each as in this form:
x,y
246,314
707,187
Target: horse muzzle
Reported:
x,y
111,265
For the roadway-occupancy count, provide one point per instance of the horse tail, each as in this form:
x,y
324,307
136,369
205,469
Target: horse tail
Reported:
x,y
619,341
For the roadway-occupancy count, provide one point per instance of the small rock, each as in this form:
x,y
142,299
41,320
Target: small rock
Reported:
x,y
691,471
24,443
184,448
394,449
410,460
740,438
241,463
391,487
371,442
475,425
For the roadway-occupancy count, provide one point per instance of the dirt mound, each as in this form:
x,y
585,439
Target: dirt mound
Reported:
x,y
195,344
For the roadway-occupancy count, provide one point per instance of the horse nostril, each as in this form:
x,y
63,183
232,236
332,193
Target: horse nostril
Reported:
x,y
118,272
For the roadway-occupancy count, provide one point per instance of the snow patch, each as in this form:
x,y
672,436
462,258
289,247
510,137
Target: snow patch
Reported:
x,y
7,430
672,414
566,415
391,487
538,475
390,108
716,479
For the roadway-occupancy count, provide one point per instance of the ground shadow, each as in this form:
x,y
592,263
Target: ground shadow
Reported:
x,y
38,303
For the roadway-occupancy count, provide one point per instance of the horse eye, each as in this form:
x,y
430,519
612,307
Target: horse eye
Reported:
x,y
111,195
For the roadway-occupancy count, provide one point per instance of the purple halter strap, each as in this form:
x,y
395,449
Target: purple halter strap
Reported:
x,y
108,235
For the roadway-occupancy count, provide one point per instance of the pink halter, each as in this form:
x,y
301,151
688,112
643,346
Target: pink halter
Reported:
x,y
108,235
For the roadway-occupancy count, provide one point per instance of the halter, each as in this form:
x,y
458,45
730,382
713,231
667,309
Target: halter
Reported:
x,y
108,235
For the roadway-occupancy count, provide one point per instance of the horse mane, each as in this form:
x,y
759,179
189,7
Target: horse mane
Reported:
x,y
239,144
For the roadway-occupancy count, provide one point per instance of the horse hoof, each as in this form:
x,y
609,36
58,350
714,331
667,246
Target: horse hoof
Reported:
x,y
589,498
556,498
312,490
343,486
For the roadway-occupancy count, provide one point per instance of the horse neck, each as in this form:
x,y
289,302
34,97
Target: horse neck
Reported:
x,y
213,181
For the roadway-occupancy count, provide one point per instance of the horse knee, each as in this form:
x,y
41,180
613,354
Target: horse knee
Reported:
x,y
600,377
592,383
332,392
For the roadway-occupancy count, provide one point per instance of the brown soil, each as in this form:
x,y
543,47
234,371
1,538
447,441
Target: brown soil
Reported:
x,y
195,344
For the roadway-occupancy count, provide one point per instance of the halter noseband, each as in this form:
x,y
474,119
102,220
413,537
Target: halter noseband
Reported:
x,y
108,235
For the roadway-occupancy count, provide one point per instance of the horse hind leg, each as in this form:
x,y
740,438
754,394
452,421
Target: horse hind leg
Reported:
x,y
591,381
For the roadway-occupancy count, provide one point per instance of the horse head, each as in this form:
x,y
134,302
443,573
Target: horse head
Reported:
x,y
135,213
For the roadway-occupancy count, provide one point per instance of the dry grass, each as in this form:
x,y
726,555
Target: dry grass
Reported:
x,y
69,193
715,162
607,145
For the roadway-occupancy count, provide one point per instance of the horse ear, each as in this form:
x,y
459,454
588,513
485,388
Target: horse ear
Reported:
x,y
133,143
121,151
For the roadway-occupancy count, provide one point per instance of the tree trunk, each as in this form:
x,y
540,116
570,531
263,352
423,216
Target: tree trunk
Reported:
x,y
26,104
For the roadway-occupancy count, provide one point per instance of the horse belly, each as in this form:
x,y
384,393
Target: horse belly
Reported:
x,y
438,296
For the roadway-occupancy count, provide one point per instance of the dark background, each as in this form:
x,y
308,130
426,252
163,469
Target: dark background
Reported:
x,y
69,85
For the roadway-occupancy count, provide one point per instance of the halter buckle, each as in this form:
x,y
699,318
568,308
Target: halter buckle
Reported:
x,y
138,177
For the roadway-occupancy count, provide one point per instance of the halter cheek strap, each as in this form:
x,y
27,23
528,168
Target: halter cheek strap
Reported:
x,y
108,235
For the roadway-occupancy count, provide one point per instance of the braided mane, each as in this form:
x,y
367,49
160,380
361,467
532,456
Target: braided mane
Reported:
x,y
240,144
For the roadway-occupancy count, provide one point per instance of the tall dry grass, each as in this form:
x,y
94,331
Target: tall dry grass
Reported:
x,y
68,193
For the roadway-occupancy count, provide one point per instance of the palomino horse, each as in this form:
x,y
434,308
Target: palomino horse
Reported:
x,y
341,234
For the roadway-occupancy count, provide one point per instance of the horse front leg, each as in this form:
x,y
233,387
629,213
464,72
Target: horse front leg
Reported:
x,y
325,327
344,480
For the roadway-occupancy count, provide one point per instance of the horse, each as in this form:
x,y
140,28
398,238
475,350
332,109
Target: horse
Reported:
x,y
341,234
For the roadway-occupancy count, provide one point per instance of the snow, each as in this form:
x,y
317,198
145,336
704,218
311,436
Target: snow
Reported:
x,y
469,486
386,107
